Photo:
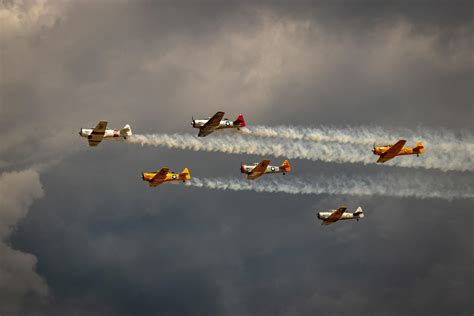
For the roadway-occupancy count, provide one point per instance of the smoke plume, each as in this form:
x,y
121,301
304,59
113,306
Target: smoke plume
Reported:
x,y
440,139
338,152
381,185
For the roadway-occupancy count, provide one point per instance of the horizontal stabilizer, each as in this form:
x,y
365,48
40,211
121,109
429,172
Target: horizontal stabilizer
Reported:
x,y
185,173
358,211
126,130
286,166
239,121
419,148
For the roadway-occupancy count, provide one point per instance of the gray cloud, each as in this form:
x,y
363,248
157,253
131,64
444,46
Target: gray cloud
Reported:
x,y
18,277
107,245
172,61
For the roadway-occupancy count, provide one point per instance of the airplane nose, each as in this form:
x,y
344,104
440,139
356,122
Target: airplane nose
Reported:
x,y
143,176
242,169
80,132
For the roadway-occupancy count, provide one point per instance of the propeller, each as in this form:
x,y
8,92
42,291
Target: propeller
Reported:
x,y
192,121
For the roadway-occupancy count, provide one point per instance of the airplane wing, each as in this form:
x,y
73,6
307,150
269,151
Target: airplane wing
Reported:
x,y
392,152
259,170
211,124
335,216
159,177
97,134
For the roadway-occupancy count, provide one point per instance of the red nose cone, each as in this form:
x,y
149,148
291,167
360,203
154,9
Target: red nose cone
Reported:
x,y
242,169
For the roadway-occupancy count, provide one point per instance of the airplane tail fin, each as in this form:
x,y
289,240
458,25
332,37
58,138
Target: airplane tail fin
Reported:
x,y
185,173
359,212
286,166
239,121
419,147
126,130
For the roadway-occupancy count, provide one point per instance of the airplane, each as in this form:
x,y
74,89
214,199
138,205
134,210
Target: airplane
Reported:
x,y
258,169
391,151
154,179
206,127
101,131
332,216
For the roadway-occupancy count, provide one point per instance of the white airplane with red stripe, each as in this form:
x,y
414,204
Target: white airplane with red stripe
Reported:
x,y
100,132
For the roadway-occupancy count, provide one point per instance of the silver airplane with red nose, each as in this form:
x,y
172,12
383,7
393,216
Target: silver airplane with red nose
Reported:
x,y
100,132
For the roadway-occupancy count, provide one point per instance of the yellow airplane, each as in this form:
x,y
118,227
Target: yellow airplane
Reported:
x,y
391,151
164,175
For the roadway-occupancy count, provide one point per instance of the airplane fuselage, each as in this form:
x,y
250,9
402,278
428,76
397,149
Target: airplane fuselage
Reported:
x,y
148,176
331,216
380,150
169,177
270,169
110,134
226,123
325,215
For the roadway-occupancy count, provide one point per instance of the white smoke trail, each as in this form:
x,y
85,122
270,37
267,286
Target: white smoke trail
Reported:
x,y
303,149
440,139
381,185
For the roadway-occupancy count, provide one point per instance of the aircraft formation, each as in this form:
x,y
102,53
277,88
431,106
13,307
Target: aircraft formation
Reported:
x,y
252,171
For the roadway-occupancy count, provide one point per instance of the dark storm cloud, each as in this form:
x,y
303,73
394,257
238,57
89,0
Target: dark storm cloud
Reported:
x,y
18,278
244,254
107,245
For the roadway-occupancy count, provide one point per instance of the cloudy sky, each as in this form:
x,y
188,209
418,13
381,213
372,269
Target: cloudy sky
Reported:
x,y
81,234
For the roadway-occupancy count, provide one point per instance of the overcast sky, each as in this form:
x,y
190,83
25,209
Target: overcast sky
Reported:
x,y
82,234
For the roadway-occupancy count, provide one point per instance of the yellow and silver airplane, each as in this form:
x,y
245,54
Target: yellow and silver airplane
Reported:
x,y
332,216
391,151
154,179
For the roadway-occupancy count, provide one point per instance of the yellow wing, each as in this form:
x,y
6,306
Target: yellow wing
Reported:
x,y
392,152
159,177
